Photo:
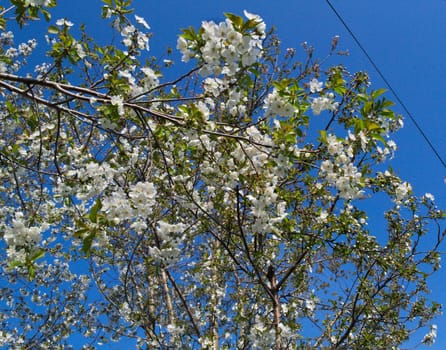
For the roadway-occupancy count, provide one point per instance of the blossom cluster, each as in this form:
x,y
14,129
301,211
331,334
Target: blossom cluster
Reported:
x,y
22,240
340,170
226,49
138,203
134,37
38,3
430,337
147,81
276,105
400,190
15,56
322,103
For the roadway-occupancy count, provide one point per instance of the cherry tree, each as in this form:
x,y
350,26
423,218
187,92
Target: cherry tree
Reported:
x,y
223,209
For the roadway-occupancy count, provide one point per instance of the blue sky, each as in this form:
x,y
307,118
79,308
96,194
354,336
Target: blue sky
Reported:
x,y
406,39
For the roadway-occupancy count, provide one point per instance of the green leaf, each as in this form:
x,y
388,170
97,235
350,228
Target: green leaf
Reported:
x,y
189,33
2,23
15,263
46,14
323,134
31,272
93,216
87,242
80,233
53,30
375,94
237,21
378,137
37,255
251,24
387,103
372,126
32,121
340,89
358,124
362,97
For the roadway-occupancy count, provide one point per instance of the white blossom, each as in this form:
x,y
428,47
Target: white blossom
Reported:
x,y
315,85
402,190
64,22
322,103
276,105
39,3
118,101
430,337
142,21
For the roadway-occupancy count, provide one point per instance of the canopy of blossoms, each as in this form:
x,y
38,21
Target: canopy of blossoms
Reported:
x,y
223,209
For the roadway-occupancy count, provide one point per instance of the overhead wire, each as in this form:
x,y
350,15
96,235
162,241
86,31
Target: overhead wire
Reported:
x,y
392,90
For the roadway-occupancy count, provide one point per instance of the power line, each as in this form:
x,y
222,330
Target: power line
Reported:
x,y
411,117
